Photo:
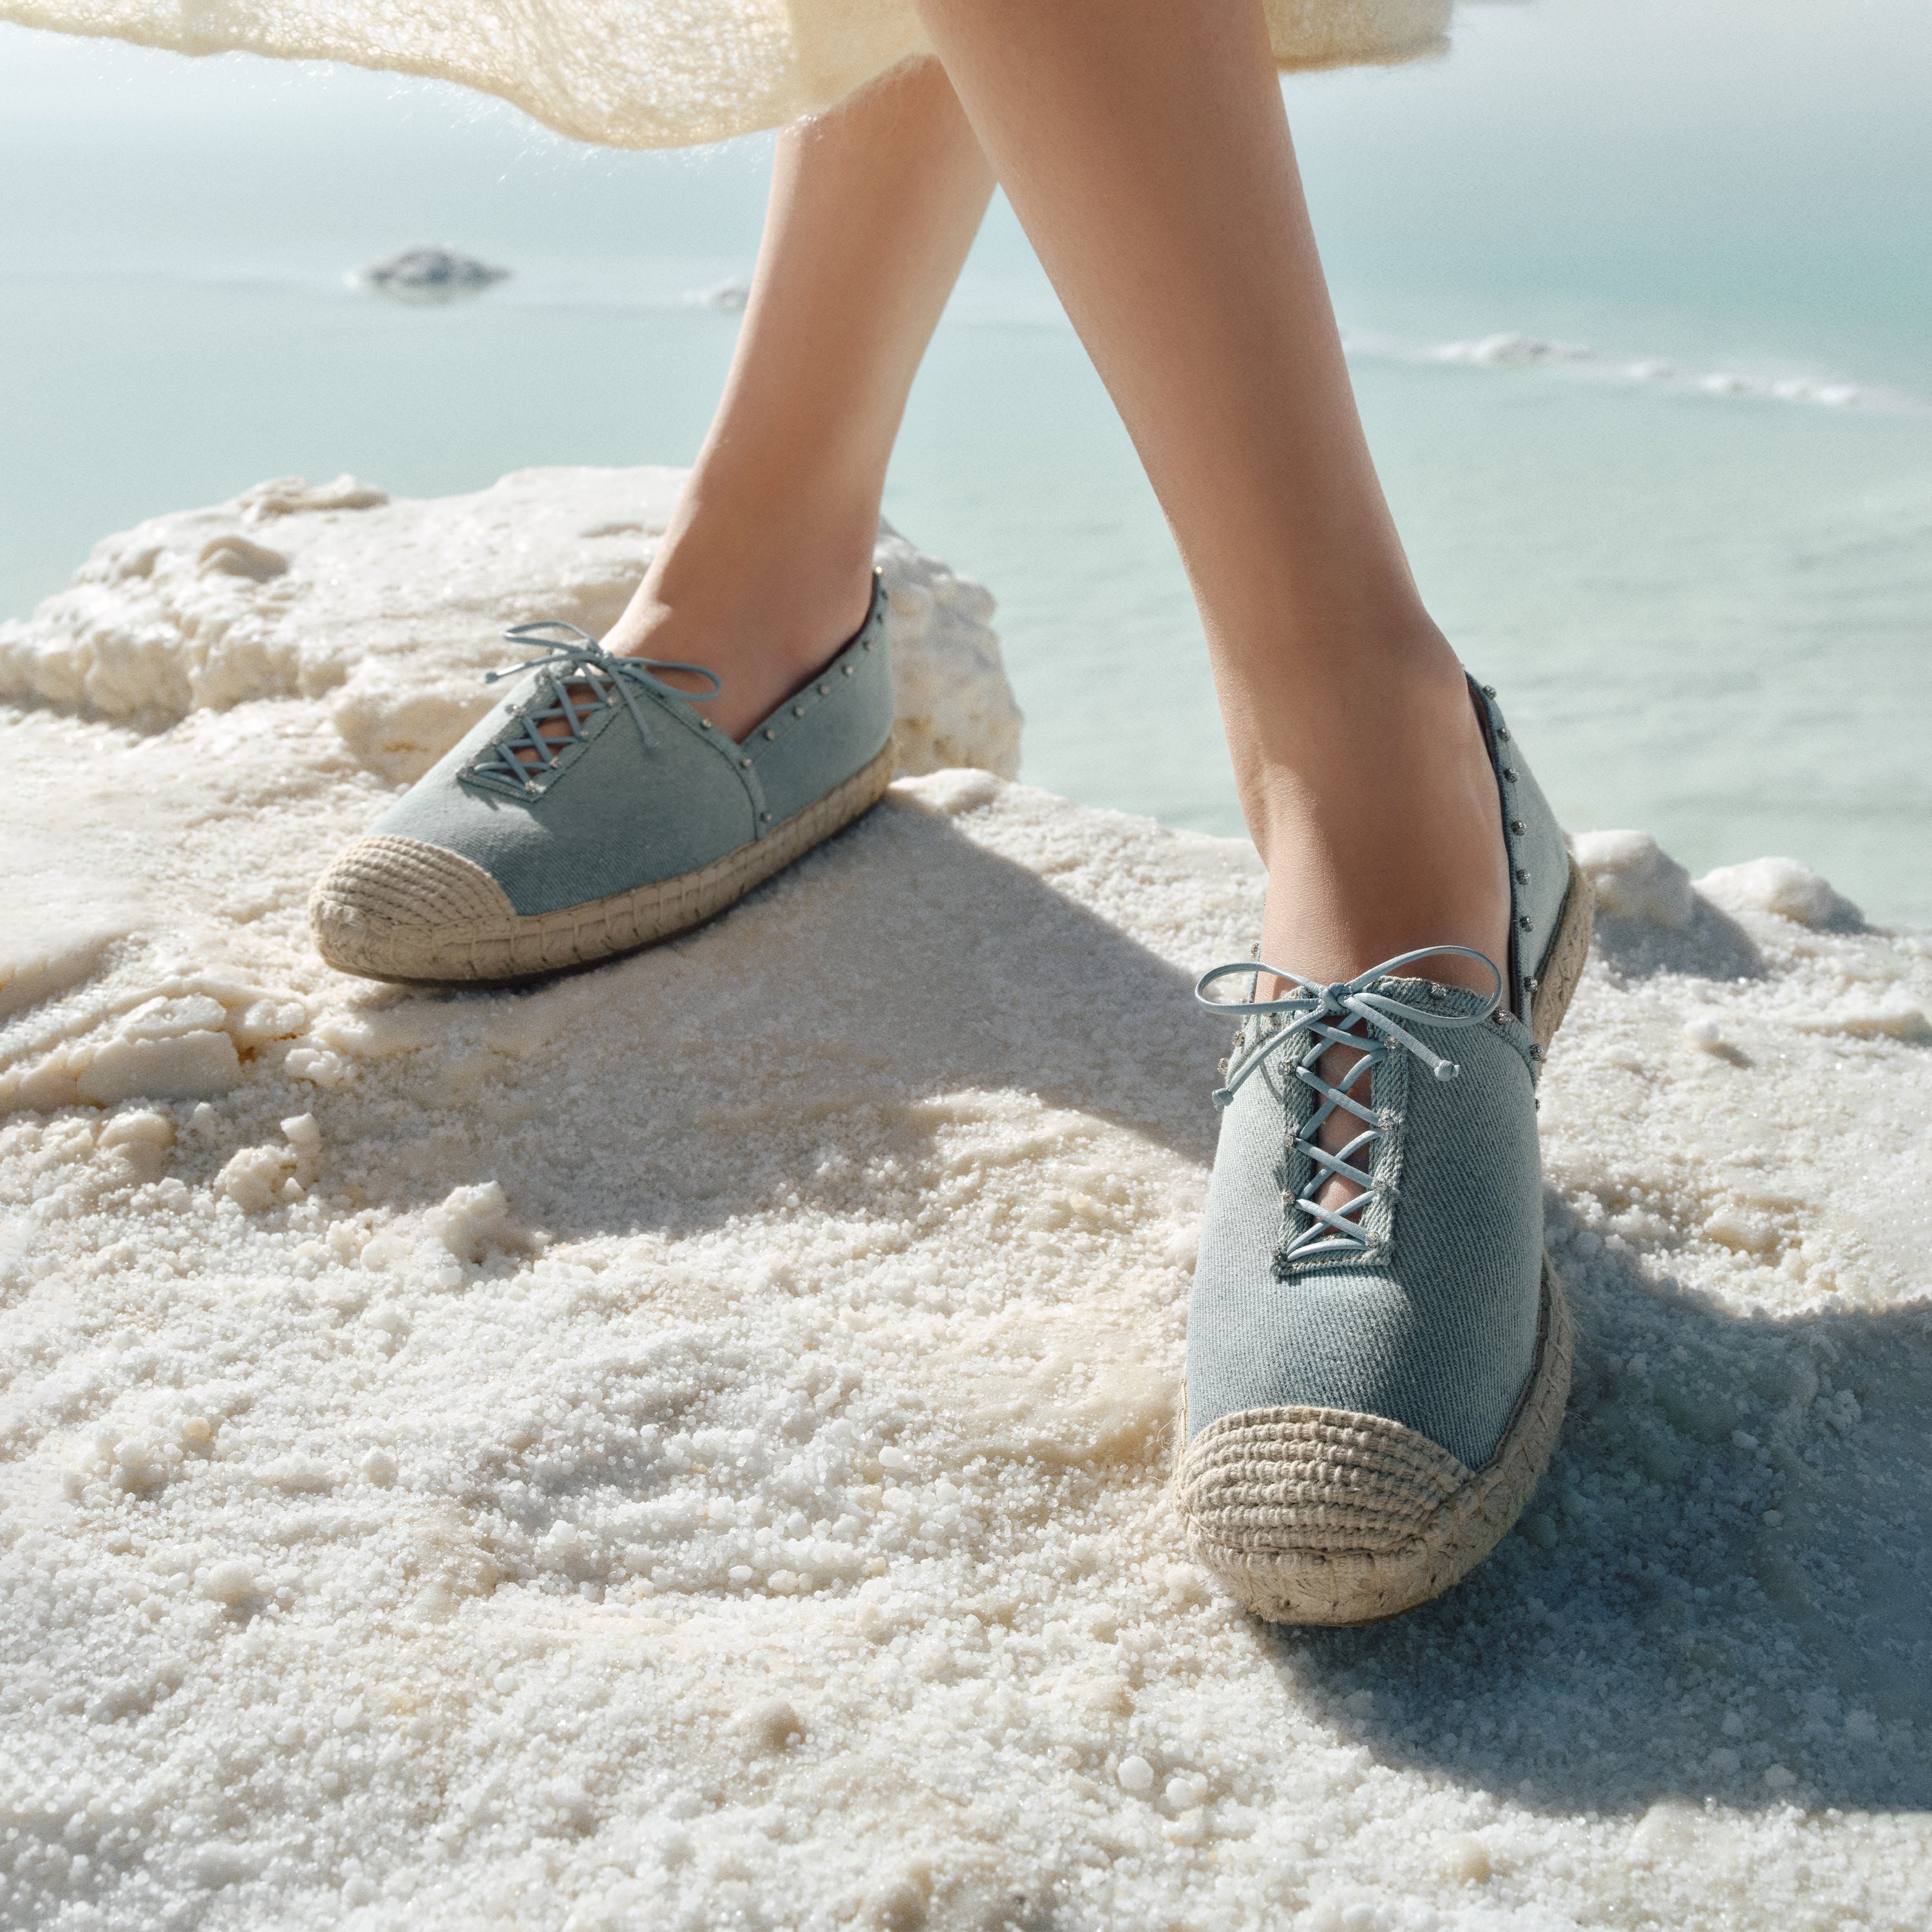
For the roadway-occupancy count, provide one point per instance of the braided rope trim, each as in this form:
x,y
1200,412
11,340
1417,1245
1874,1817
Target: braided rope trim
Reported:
x,y
1318,1516
1562,966
403,910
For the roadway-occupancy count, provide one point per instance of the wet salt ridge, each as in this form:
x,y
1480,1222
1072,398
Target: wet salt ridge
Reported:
x,y
686,1444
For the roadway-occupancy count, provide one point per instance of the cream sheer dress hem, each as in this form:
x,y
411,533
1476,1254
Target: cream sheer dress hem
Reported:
x,y
656,73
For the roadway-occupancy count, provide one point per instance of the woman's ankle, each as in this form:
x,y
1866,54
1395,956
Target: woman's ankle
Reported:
x,y
1382,834
762,617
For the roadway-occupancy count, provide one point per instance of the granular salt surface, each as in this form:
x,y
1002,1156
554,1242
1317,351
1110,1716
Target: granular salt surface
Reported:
x,y
685,1445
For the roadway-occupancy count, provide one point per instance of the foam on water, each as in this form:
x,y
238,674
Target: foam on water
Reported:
x,y
686,1444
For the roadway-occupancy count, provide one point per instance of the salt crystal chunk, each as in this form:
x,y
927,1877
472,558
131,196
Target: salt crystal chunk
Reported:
x,y
1136,1776
771,1724
302,1474
164,1018
470,1219
1784,888
141,1141
316,1065
253,1178
1666,1831
269,1018
1635,878
1465,1860
227,1582
1746,1233
197,1065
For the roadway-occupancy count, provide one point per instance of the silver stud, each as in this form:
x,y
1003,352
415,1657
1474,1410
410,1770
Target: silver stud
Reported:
x,y
825,690
1502,732
869,643
798,711
1518,827
1522,877
746,763
1489,691
704,724
765,816
771,733
1525,921
847,669
1509,772
1535,1052
1534,985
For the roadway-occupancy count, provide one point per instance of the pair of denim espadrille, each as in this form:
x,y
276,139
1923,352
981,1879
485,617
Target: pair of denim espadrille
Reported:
x,y
1372,1389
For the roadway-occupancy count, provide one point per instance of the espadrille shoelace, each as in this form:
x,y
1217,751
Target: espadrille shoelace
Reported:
x,y
578,659
1329,1016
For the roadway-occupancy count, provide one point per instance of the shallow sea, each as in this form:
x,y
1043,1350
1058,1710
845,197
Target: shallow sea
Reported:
x,y
1685,522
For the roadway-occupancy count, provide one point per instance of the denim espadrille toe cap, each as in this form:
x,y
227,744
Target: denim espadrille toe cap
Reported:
x,y
596,810
1375,1384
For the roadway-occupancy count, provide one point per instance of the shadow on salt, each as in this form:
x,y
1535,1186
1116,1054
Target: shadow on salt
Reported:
x,y
1719,1592
784,1057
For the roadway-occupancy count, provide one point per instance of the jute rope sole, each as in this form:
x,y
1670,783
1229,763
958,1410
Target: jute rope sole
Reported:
x,y
1320,1516
1317,1516
401,909
1564,968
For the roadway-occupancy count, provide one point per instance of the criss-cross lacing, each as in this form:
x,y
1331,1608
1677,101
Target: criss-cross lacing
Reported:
x,y
577,661
1346,1013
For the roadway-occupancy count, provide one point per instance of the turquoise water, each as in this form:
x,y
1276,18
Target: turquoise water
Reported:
x,y
1710,609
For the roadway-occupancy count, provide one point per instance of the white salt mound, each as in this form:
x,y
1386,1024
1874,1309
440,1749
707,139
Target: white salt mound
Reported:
x,y
390,612
685,1445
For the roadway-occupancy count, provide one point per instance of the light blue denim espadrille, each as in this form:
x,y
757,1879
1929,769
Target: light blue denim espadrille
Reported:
x,y
1373,1390
596,810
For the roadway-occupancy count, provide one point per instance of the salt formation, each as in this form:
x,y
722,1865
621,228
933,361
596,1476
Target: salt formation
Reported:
x,y
429,275
390,612
684,1445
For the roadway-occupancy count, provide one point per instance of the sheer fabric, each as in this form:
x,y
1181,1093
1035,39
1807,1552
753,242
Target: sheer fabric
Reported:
x,y
655,73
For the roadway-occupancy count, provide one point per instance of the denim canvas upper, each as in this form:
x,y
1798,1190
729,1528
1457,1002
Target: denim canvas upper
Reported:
x,y
1433,1324
618,812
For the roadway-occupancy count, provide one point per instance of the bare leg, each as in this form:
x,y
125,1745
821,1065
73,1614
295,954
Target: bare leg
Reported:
x,y
1144,146
766,569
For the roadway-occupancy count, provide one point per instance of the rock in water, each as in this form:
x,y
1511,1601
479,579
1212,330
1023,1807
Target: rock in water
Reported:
x,y
428,275
729,295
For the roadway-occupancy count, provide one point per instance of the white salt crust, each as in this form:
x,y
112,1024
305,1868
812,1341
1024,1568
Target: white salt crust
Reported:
x,y
389,611
685,1446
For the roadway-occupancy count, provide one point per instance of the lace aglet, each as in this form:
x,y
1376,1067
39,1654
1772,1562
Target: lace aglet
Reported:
x,y
1445,1069
1222,1096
